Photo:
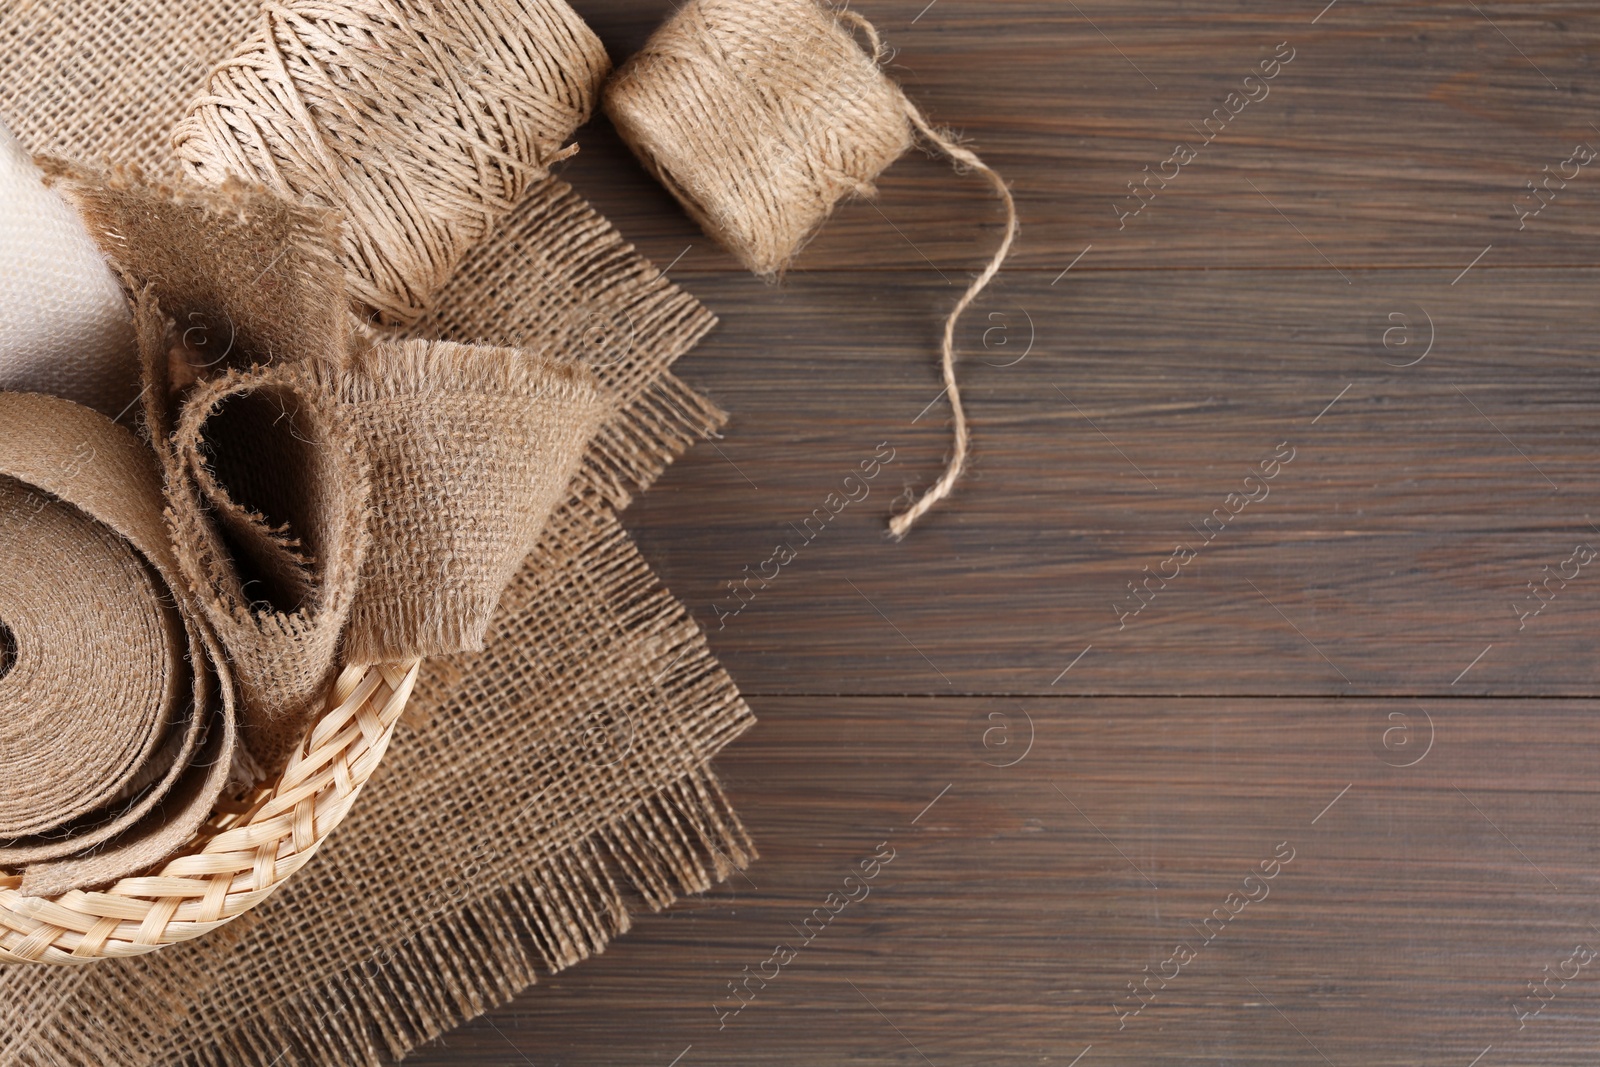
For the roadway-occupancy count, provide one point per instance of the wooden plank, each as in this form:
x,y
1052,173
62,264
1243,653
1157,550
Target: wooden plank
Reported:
x,y
1419,902
1341,668
1395,547
1395,136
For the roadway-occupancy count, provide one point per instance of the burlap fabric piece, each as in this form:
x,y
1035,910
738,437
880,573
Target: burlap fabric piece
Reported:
x,y
475,512
470,446
596,694
247,277
112,716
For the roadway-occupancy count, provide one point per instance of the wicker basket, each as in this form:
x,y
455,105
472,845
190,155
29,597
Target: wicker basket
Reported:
x,y
249,848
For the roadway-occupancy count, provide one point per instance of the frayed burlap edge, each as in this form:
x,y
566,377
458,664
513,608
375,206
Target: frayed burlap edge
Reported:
x,y
653,638
283,658
249,277
478,958
471,447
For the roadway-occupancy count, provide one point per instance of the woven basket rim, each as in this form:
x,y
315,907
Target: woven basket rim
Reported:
x,y
247,849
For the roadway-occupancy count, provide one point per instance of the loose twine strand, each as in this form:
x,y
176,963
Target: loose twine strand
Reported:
x,y
760,116
900,525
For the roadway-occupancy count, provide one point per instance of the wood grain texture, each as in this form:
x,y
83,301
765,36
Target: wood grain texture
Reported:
x,y
1399,135
1352,666
1382,559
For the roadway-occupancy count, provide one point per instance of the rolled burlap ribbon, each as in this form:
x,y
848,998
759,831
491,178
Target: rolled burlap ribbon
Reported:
x,y
268,493
296,560
423,122
117,737
760,116
472,448
65,328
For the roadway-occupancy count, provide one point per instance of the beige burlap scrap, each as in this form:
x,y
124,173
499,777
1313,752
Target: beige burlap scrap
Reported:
x,y
248,277
471,448
116,743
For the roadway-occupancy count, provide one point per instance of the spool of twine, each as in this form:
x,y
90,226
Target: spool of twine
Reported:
x,y
760,116
423,121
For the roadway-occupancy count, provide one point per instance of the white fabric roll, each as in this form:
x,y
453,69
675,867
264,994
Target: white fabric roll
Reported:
x,y
65,326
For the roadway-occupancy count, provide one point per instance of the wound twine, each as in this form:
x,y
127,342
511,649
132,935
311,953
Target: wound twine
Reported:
x,y
118,737
760,116
423,122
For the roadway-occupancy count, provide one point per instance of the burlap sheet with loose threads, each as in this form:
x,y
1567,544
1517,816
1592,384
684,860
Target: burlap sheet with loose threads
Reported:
x,y
274,548
248,277
596,690
116,727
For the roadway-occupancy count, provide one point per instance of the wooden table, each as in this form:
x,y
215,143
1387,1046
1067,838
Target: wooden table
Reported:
x,y
1329,794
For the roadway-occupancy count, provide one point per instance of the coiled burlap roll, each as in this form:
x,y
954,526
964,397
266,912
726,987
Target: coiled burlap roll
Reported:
x,y
268,489
423,121
117,739
760,116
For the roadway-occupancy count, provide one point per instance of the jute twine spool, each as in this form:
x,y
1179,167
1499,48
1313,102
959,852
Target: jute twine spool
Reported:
x,y
117,739
423,121
760,116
